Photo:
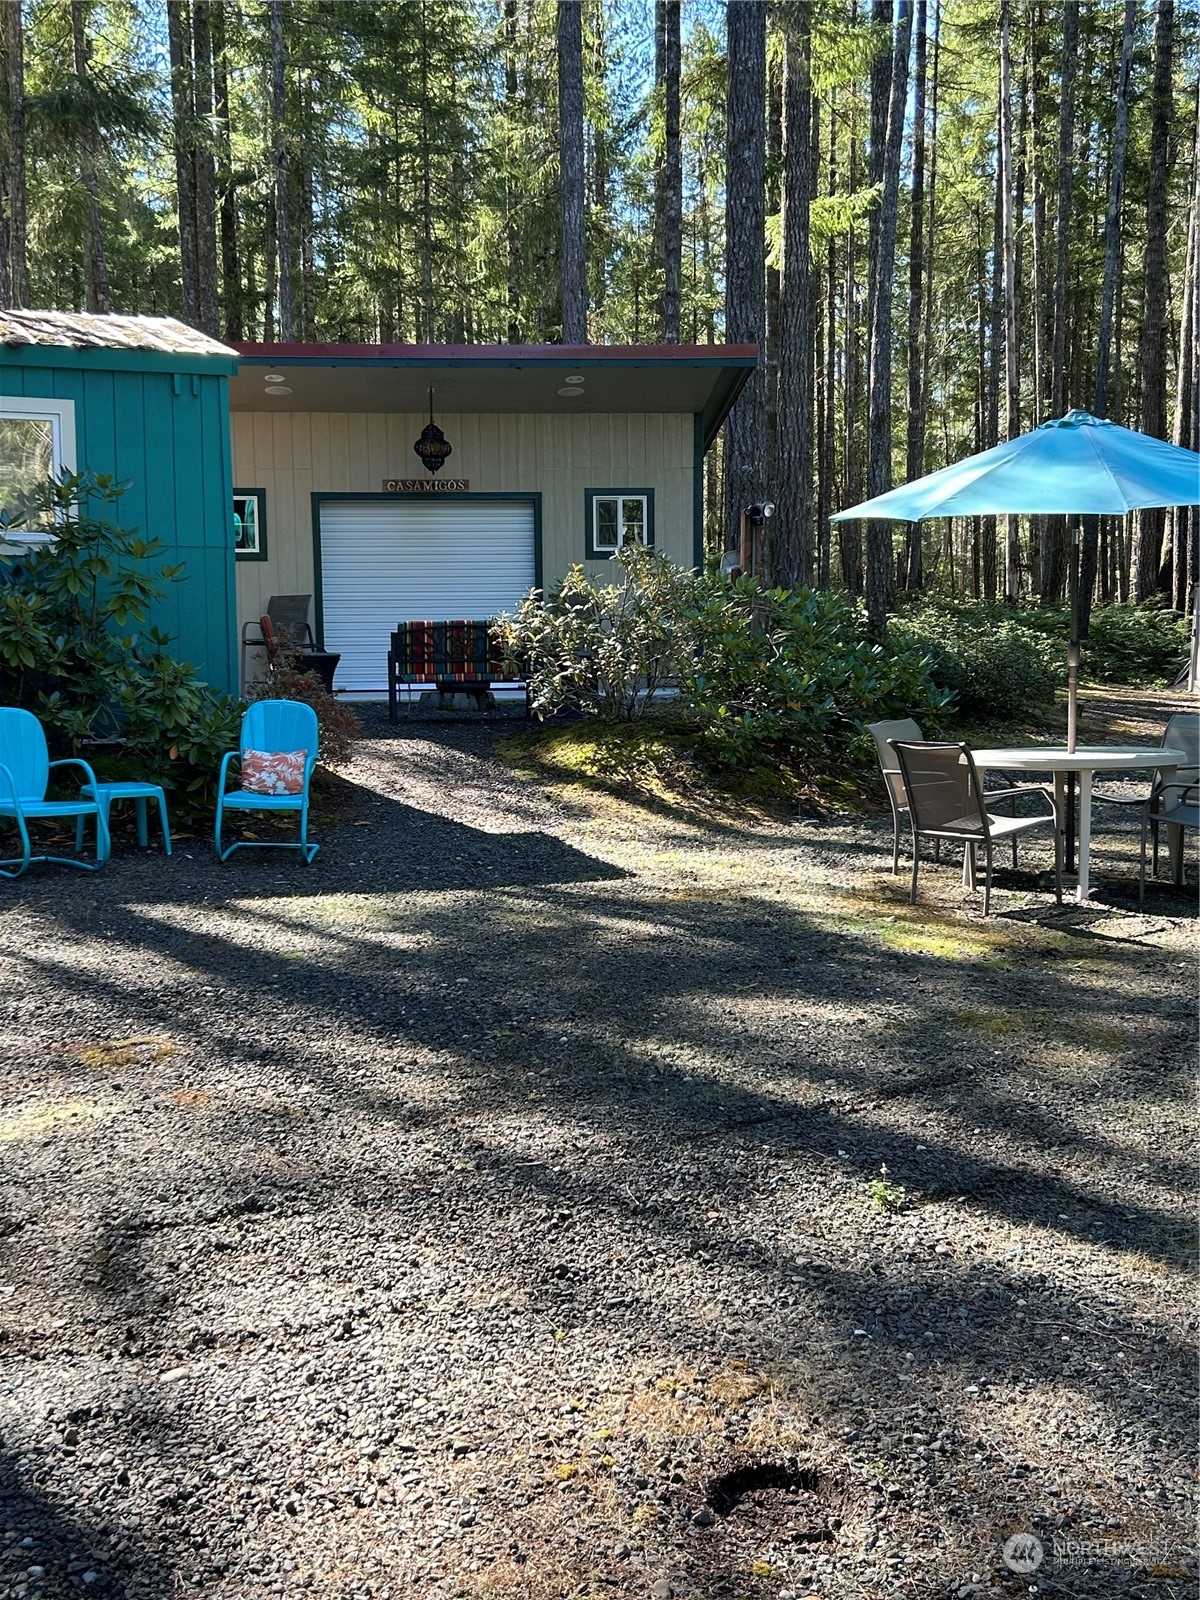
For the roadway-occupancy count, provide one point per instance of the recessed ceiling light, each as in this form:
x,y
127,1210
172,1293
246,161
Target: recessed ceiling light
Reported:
x,y
278,388
576,394
575,377
273,377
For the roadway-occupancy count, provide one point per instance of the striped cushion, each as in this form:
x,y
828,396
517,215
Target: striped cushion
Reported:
x,y
445,652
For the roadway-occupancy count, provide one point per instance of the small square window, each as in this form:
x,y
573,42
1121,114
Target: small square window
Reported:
x,y
250,524
616,518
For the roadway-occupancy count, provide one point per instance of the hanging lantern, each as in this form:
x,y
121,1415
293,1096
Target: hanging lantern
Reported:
x,y
433,447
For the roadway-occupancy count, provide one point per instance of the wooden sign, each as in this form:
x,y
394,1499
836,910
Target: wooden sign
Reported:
x,y
426,485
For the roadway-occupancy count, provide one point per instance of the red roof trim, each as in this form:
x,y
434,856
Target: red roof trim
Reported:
x,y
508,353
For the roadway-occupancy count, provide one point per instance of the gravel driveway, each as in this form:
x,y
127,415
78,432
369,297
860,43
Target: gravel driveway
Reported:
x,y
546,1194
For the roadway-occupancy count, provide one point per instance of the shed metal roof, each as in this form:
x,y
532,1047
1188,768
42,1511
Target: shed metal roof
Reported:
x,y
79,330
701,379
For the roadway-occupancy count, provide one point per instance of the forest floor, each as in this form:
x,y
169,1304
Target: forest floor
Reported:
x,y
551,1192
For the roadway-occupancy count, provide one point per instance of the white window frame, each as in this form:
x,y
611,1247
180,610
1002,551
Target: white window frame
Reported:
x,y
61,415
601,552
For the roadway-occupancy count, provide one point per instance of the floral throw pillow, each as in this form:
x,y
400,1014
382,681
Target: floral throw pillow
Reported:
x,y
273,771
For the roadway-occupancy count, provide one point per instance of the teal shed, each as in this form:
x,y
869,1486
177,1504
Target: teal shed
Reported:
x,y
146,399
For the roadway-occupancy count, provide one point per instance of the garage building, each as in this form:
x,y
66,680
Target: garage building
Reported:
x,y
556,455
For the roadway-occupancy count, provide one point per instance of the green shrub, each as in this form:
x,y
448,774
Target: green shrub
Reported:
x,y
788,677
997,663
792,674
1143,644
67,653
338,725
603,649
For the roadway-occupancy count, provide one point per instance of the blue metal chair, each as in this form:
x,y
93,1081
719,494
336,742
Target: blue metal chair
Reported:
x,y
25,768
274,726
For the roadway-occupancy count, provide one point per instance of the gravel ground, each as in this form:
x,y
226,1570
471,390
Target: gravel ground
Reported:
x,y
549,1194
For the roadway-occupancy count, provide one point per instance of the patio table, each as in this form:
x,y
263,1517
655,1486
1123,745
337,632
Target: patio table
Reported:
x,y
1098,758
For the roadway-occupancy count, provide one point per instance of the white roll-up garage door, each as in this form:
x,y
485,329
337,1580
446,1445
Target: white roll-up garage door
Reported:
x,y
389,561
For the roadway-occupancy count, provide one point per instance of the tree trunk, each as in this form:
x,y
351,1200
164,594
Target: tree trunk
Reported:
x,y
183,109
1054,544
231,274
826,410
879,382
1152,346
1112,250
570,140
770,357
95,271
283,176
745,231
792,529
670,174
206,183
306,221
880,83
15,284
849,534
1185,520
512,232
1038,119
913,576
1012,418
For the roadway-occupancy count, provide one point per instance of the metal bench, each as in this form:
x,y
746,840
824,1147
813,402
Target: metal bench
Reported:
x,y
459,657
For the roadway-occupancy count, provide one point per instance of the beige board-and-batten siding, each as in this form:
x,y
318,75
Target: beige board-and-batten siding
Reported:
x,y
294,454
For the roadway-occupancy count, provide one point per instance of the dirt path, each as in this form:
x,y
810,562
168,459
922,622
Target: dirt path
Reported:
x,y
547,1195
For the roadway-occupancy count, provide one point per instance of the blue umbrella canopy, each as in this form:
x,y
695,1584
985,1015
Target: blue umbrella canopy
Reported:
x,y
1078,465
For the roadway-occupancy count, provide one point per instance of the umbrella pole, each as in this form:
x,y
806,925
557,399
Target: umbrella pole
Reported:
x,y
1072,685
1073,648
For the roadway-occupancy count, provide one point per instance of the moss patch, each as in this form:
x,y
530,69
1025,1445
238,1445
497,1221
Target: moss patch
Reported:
x,y
649,762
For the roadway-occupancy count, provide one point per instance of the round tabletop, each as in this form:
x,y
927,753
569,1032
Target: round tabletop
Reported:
x,y
1093,758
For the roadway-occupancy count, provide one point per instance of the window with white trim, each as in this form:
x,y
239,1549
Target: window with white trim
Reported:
x,y
37,441
616,518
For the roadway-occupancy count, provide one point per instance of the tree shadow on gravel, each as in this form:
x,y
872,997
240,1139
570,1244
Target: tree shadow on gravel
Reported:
x,y
994,1149
685,1070
67,1545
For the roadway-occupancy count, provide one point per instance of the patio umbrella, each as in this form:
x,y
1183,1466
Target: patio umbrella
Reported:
x,y
1075,466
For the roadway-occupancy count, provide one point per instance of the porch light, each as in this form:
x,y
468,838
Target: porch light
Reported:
x,y
278,388
433,447
273,377
576,394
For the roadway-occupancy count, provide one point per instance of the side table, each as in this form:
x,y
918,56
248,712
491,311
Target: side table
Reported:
x,y
105,793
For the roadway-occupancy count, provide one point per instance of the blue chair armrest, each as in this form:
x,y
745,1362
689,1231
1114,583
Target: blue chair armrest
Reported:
x,y
12,785
74,761
230,755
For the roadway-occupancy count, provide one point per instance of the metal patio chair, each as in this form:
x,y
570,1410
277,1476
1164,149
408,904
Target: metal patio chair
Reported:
x,y
1175,803
288,614
25,768
946,801
883,733
271,727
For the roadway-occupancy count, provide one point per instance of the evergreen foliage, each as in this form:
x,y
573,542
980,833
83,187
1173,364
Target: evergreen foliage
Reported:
x,y
389,170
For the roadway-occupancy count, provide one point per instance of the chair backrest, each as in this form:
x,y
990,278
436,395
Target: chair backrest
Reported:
x,y
23,751
289,616
280,725
882,733
1183,733
289,611
941,786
